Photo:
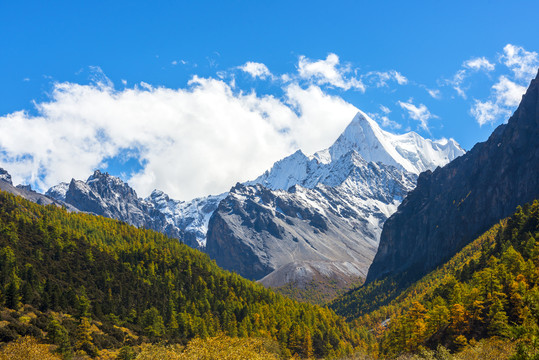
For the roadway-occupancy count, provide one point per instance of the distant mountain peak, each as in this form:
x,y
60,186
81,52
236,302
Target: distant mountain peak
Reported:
x,y
408,151
364,138
5,176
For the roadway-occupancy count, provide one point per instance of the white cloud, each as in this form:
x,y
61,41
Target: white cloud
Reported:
x,y
401,79
380,78
322,117
386,122
457,81
435,93
469,66
486,112
480,63
384,119
419,113
192,141
328,71
256,70
505,96
523,63
507,92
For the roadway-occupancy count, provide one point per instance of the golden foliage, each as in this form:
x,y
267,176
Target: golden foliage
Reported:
x,y
220,347
27,348
488,349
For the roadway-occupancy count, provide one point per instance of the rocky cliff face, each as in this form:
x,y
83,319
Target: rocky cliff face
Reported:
x,y
454,204
5,176
190,217
106,195
26,192
329,229
318,219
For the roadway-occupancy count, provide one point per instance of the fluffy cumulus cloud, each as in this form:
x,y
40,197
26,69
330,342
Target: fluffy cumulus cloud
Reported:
x,y
329,71
256,70
523,63
420,113
506,95
486,111
507,91
190,141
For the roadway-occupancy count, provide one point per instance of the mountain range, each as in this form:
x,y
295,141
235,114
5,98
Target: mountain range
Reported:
x,y
450,269
308,220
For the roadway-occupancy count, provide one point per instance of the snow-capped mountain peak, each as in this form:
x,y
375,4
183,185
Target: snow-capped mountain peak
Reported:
x,y
59,191
408,151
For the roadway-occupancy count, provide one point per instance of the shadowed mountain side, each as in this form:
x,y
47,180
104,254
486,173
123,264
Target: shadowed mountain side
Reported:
x,y
454,204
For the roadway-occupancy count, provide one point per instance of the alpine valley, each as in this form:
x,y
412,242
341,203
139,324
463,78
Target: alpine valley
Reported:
x,y
309,226
446,240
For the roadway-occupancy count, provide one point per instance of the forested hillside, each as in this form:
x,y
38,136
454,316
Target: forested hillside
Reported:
x,y
489,289
87,283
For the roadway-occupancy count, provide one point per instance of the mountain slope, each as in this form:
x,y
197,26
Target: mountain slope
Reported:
x,y
454,204
106,195
489,288
330,229
352,197
27,193
190,217
118,285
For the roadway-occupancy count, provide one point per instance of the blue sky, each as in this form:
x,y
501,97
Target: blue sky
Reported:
x,y
190,97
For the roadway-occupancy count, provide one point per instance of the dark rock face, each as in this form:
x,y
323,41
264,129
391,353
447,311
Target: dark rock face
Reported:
x,y
331,229
24,187
454,204
106,195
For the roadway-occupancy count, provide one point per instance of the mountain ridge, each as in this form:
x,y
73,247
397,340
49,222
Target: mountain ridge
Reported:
x,y
473,191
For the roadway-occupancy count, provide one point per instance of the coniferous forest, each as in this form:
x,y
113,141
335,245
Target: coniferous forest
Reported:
x,y
489,290
76,286
85,283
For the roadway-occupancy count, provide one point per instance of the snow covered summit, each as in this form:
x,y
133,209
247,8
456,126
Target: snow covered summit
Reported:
x,y
407,151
